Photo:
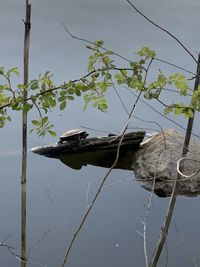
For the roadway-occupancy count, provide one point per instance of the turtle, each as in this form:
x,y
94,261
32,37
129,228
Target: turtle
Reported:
x,y
73,135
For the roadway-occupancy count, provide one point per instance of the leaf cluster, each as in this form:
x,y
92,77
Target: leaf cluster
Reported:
x,y
103,73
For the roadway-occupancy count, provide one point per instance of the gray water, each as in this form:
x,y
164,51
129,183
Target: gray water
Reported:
x,y
110,236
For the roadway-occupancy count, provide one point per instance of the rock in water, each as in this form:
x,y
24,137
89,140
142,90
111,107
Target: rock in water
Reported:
x,y
157,159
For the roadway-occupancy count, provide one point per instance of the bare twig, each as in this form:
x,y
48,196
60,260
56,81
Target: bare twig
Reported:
x,y
174,65
167,254
181,173
87,196
37,242
189,256
101,185
119,55
118,182
92,43
162,29
2,243
172,201
58,210
158,112
150,200
120,99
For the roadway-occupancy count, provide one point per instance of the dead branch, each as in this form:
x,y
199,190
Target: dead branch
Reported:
x,y
189,256
158,112
101,185
58,210
162,29
37,242
172,202
119,55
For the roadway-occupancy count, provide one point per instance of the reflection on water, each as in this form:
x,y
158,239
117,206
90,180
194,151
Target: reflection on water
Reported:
x,y
154,163
101,158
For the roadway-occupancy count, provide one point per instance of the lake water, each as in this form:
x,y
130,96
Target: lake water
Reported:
x,y
56,193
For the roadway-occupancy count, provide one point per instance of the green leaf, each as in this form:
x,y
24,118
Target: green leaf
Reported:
x,y
99,42
36,123
9,118
44,120
77,92
34,85
20,86
52,102
14,70
63,105
52,133
70,97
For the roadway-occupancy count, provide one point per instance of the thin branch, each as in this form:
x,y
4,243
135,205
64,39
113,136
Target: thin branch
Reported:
x,y
174,65
2,243
119,55
191,259
59,87
172,201
92,43
58,210
87,196
95,130
120,99
159,113
37,242
101,185
174,91
178,168
118,182
162,29
167,254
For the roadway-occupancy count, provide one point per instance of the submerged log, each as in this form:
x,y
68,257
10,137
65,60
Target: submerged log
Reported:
x,y
99,151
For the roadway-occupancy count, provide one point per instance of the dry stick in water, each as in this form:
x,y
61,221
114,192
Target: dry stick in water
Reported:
x,y
27,24
107,174
172,202
101,185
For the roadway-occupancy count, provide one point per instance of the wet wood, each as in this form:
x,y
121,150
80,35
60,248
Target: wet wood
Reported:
x,y
131,141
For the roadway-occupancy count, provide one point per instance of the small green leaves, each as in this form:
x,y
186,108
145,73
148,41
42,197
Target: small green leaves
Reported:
x,y
34,84
42,127
195,101
11,71
102,74
146,53
35,123
99,43
52,133
63,105
180,82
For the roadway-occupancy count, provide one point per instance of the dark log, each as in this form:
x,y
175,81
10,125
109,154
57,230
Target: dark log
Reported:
x,y
99,151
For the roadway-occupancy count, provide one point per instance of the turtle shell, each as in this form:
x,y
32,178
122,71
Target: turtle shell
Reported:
x,y
75,134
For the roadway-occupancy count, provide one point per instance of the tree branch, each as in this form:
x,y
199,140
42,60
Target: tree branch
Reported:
x,y
101,185
172,201
162,29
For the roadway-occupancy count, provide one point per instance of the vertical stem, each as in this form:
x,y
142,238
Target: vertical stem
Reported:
x,y
27,24
172,201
